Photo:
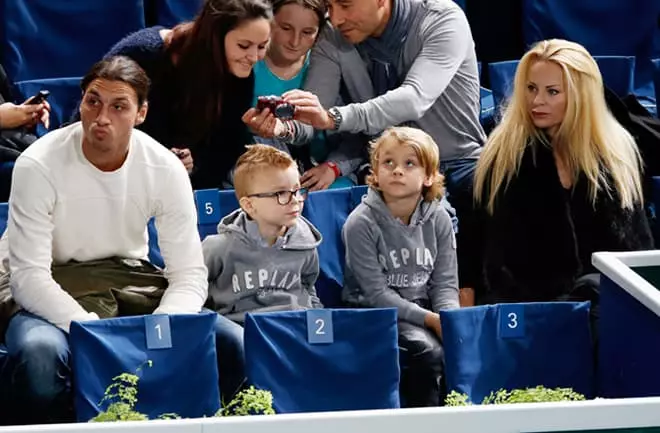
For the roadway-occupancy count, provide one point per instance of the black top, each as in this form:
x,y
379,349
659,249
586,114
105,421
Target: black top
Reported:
x,y
214,153
541,236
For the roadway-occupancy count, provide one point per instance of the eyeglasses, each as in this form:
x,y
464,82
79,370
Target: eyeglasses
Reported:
x,y
284,197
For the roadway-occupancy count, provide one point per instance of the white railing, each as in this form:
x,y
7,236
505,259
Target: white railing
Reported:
x,y
514,418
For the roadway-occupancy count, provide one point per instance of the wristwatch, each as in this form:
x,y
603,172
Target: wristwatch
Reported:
x,y
336,117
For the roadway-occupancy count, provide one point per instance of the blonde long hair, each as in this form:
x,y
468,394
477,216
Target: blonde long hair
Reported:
x,y
594,143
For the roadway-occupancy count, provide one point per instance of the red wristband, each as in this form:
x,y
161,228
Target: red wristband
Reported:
x,y
334,168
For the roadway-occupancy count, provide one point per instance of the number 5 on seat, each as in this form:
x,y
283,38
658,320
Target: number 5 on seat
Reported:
x,y
319,327
208,206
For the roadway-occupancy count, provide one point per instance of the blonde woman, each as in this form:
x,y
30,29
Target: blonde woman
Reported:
x,y
558,179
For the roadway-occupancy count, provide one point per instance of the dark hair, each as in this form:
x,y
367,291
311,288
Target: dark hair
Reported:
x,y
317,6
120,68
200,68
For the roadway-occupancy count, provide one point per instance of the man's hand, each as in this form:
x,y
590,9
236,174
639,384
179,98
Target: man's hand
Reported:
x,y
432,321
318,178
186,158
14,116
263,124
309,110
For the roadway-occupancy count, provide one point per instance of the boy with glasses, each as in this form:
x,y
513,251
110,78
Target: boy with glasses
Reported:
x,y
264,257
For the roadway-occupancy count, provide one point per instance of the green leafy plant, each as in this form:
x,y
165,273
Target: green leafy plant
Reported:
x,y
250,401
121,396
539,394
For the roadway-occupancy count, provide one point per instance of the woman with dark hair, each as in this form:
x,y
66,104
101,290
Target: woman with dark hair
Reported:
x,y
202,83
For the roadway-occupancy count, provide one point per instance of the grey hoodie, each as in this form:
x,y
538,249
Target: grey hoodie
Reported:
x,y
246,275
389,264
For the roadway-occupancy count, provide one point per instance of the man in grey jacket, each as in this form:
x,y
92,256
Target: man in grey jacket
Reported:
x,y
409,62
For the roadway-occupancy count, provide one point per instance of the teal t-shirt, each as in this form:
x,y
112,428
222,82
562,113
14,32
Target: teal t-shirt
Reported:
x,y
266,83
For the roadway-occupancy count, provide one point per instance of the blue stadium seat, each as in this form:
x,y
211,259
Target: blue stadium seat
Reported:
x,y
4,215
487,104
65,94
604,27
155,256
172,12
165,349
324,360
629,342
501,80
512,346
617,72
212,206
328,211
46,38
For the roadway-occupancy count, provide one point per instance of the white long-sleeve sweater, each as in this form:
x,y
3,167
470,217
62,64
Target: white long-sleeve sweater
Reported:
x,y
63,208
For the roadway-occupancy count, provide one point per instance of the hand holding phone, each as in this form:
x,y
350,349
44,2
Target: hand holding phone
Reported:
x,y
39,97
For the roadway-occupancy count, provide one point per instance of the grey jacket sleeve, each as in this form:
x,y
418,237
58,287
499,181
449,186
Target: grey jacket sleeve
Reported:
x,y
362,261
443,284
308,279
445,42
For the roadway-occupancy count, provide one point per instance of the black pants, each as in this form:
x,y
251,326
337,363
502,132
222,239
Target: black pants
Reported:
x,y
422,366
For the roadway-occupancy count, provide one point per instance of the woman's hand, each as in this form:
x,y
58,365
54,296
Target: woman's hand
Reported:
x,y
263,124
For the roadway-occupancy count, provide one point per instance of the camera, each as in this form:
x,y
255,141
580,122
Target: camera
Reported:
x,y
280,109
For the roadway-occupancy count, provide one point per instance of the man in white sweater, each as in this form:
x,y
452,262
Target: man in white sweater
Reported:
x,y
86,192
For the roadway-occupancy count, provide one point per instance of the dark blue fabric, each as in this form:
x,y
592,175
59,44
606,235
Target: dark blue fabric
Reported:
x,y
617,72
359,370
64,96
181,380
555,351
629,345
47,39
4,215
604,27
172,12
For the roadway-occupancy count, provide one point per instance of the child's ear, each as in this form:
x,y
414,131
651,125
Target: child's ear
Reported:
x,y
429,181
246,205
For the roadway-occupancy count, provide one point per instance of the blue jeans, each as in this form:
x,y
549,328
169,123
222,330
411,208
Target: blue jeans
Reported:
x,y
231,357
41,378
